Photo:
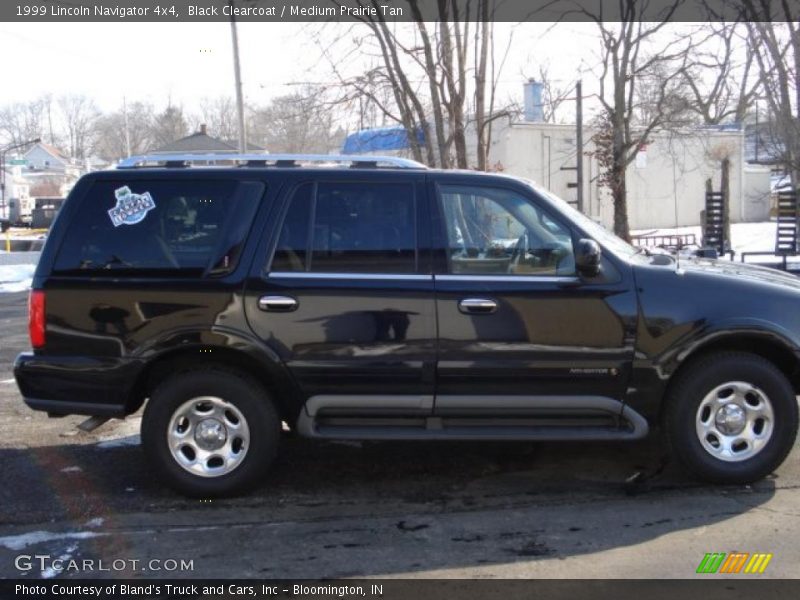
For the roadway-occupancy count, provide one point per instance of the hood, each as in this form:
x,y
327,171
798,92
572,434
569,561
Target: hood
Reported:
x,y
740,271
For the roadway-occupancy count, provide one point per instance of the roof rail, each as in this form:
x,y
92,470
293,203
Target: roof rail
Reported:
x,y
261,160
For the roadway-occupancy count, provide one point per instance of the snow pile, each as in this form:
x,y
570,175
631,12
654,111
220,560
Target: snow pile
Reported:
x,y
745,237
18,542
16,278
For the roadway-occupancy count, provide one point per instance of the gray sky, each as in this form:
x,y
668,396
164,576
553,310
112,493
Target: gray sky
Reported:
x,y
188,61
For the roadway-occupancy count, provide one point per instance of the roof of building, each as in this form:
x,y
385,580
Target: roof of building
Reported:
x,y
200,142
52,150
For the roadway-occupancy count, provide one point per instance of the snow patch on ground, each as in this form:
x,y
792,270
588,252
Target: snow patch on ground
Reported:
x,y
16,278
745,237
96,522
18,542
130,440
50,571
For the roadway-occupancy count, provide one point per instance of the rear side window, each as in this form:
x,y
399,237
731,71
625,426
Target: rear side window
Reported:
x,y
182,227
349,228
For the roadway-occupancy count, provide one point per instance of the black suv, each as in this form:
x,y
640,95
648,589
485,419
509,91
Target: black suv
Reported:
x,y
373,298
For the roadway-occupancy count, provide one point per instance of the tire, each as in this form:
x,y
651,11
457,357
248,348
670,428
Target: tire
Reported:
x,y
731,418
222,425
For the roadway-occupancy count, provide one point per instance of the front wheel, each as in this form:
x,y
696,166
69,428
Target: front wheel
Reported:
x,y
731,418
210,433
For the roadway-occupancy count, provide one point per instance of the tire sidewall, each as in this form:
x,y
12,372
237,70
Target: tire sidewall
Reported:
x,y
698,383
247,396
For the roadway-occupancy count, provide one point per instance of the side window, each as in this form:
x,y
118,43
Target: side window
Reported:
x,y
187,227
291,250
491,231
357,228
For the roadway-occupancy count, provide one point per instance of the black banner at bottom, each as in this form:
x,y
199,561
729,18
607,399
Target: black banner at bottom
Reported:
x,y
715,588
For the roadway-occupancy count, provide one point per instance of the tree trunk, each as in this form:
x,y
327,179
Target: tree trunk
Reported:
x,y
619,193
482,48
430,73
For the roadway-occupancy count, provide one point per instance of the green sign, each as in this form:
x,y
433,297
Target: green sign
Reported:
x,y
18,161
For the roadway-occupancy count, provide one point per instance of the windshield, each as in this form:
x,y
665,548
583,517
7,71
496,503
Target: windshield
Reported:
x,y
599,233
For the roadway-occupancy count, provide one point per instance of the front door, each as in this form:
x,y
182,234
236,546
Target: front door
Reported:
x,y
347,298
516,322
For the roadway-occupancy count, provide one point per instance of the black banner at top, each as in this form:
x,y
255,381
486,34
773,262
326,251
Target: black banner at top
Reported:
x,y
66,11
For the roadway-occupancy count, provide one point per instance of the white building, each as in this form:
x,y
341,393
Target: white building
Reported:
x,y
49,171
665,184
44,157
17,203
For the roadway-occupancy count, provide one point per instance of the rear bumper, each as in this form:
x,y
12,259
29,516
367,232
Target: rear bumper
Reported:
x,y
66,385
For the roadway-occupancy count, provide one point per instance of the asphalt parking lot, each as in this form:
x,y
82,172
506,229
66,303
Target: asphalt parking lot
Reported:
x,y
374,509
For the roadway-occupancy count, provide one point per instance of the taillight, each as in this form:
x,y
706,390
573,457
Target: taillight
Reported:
x,y
36,318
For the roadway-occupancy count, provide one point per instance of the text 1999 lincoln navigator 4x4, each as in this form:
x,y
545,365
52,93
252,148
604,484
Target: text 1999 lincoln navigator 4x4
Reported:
x,y
373,298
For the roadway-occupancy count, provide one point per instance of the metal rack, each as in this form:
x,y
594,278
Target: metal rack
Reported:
x,y
787,229
266,160
714,230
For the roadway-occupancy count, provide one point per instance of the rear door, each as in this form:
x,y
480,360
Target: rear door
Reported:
x,y
345,292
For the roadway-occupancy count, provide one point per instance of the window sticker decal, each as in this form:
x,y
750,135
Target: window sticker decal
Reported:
x,y
131,208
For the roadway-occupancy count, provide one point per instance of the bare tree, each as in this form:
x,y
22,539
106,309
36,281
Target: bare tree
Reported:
x,y
79,116
721,85
407,106
111,131
775,36
436,70
219,115
486,111
23,121
296,123
168,126
627,59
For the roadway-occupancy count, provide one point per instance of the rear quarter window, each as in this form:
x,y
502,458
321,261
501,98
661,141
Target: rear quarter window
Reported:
x,y
149,226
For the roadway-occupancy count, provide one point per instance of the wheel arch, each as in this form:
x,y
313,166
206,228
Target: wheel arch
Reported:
x,y
768,345
268,373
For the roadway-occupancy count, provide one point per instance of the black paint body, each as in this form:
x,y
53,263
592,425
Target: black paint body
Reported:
x,y
621,335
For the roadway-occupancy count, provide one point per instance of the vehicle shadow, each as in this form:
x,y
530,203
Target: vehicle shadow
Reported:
x,y
334,505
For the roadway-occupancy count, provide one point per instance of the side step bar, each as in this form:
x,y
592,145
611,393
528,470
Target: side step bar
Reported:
x,y
468,418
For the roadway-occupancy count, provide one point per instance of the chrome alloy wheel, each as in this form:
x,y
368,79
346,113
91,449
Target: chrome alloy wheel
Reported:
x,y
734,421
208,436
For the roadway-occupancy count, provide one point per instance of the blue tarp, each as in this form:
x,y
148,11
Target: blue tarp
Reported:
x,y
376,140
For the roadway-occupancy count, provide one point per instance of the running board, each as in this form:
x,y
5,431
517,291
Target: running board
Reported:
x,y
470,418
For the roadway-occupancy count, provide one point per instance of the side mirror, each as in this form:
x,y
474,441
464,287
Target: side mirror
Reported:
x,y
587,258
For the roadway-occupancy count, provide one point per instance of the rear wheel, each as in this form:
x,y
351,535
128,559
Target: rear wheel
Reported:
x,y
210,433
731,418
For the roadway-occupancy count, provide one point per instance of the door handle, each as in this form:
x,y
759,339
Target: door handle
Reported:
x,y
277,303
477,306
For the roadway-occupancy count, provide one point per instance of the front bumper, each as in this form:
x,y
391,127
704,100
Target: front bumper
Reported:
x,y
79,385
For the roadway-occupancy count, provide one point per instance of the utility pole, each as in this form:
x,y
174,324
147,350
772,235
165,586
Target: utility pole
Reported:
x,y
127,129
579,143
238,77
